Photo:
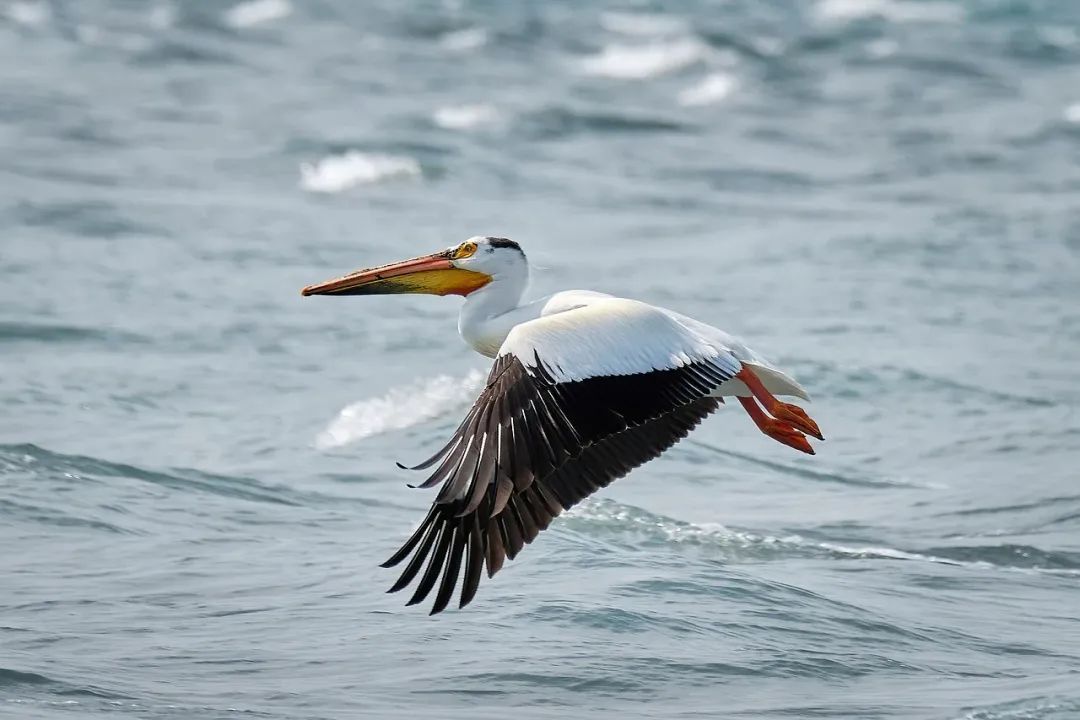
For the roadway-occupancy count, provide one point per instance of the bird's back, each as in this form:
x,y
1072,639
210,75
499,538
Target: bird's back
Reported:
x,y
775,380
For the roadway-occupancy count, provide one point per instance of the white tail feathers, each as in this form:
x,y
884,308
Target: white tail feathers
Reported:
x,y
774,381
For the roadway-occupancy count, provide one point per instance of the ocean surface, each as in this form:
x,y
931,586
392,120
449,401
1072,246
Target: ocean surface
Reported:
x,y
197,477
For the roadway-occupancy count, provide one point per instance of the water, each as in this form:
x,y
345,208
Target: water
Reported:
x,y
197,476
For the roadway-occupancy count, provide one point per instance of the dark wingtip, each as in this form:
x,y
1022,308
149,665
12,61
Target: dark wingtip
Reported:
x,y
403,467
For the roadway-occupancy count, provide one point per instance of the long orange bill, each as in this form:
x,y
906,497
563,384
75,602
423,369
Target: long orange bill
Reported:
x,y
430,274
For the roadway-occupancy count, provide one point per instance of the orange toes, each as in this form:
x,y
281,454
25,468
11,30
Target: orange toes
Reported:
x,y
797,417
782,432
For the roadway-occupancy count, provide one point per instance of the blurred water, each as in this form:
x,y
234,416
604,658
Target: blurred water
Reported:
x,y
196,465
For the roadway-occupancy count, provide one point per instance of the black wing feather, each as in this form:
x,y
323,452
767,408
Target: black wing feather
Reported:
x,y
549,444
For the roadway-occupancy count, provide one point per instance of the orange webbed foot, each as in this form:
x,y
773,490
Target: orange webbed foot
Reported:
x,y
778,430
796,416
782,432
793,415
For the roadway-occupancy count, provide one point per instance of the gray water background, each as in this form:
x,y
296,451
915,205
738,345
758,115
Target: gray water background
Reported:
x,y
197,476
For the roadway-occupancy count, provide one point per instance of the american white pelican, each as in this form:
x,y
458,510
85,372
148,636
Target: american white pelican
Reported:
x,y
585,387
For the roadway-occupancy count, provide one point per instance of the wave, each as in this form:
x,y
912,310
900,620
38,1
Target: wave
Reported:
x,y
1040,504
400,408
465,117
819,476
559,122
14,331
17,677
999,557
890,10
85,218
1009,555
82,469
601,515
712,89
732,46
1027,709
256,12
335,173
639,62
184,51
641,672
609,517
56,517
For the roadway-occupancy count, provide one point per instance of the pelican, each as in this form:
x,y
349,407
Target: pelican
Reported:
x,y
585,387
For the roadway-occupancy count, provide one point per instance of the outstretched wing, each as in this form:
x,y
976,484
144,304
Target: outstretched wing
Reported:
x,y
573,401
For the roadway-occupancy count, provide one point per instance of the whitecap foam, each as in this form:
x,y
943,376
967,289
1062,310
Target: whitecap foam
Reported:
x,y
882,48
614,516
462,40
29,14
1060,37
335,173
888,553
399,408
638,62
626,517
891,10
885,553
256,12
1021,710
465,117
768,46
712,89
1072,114
642,24
162,16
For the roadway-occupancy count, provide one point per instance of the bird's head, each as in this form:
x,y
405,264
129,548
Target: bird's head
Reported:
x,y
458,270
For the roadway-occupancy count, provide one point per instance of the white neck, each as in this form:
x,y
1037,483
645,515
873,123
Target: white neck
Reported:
x,y
490,313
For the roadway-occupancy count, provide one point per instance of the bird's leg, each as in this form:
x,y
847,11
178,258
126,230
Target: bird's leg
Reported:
x,y
792,414
776,429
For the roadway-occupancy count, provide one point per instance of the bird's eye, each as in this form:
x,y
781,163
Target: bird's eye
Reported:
x,y
464,250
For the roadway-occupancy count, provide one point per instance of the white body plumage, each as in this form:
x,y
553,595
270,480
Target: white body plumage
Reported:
x,y
583,333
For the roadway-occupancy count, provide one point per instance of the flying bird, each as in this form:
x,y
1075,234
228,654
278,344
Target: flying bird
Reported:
x,y
584,388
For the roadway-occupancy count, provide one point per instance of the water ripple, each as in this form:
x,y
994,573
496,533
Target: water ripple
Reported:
x,y
16,331
77,468
560,122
